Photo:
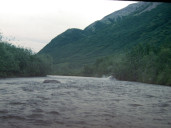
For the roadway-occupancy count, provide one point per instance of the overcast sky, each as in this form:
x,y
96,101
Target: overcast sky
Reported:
x,y
34,23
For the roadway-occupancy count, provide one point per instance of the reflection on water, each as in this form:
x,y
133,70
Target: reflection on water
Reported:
x,y
79,102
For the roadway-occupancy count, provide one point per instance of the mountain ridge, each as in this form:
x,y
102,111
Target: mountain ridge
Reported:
x,y
80,47
144,6
107,18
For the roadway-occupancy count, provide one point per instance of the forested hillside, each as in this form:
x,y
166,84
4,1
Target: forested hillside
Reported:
x,y
16,61
130,44
145,62
74,48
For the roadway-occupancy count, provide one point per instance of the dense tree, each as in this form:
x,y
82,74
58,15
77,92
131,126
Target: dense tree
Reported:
x,y
148,63
22,62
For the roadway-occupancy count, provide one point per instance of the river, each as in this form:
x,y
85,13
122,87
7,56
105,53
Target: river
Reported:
x,y
83,102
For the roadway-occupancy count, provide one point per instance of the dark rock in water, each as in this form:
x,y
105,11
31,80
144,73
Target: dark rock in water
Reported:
x,y
51,81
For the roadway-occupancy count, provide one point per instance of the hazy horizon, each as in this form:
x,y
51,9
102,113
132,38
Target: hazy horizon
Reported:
x,y
33,23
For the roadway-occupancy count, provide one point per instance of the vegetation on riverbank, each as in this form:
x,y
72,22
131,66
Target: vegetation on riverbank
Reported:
x,y
16,61
144,63
132,47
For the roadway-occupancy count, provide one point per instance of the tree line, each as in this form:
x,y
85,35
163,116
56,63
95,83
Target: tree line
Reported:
x,y
15,61
147,63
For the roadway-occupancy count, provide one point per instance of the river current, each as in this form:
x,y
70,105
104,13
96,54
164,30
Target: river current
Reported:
x,y
83,102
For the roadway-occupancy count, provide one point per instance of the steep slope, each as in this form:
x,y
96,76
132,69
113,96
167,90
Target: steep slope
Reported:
x,y
137,7
138,23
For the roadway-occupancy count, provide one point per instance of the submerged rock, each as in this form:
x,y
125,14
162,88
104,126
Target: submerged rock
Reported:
x,y
51,81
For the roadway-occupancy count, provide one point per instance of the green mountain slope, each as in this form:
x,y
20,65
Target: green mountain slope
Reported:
x,y
116,33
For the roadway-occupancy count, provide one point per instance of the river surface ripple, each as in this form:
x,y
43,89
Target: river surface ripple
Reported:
x,y
79,102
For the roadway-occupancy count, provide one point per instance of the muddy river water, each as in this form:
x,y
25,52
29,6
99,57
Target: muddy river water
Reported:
x,y
83,102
